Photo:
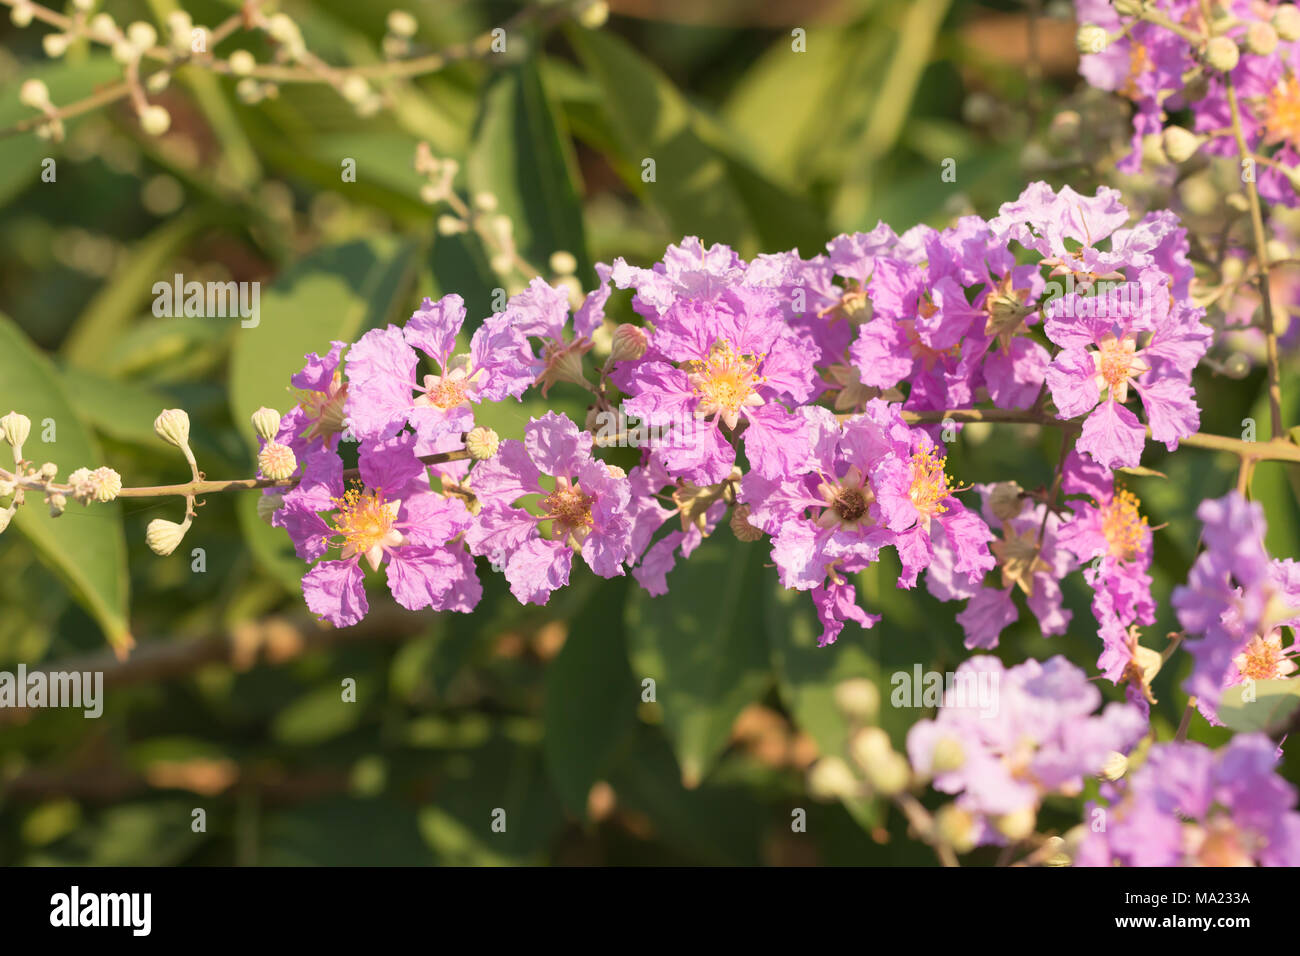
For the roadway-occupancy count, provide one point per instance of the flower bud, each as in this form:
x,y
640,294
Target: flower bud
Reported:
x,y
155,120
242,63
266,422
16,428
1091,39
1018,824
173,427
955,827
58,503
948,755
48,471
35,94
1116,766
629,343
858,699
163,536
267,505
401,23
1261,38
7,487
482,443
1221,53
277,461
21,16
55,44
104,484
1286,21
831,778
142,35
592,14
886,770
1180,144
1005,501
6,516
740,526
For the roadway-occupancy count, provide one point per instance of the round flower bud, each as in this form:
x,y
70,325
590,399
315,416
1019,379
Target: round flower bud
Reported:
x,y
1018,824
55,45
1116,766
831,778
592,14
1091,39
355,89
242,63
163,536
35,94
157,82
7,487
16,428
949,755
448,225
142,35
629,343
1286,21
267,505
858,698
485,202
277,461
1180,144
401,23
1236,365
58,503
563,264
955,827
482,443
103,26
155,120
181,27
266,422
1277,250
1222,54
48,471
740,525
1261,38
103,484
21,16
173,426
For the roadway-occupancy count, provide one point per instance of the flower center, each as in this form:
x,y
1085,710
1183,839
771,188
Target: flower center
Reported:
x,y
367,524
1264,659
1122,526
1220,843
445,392
1281,112
324,410
1117,361
929,483
725,382
570,509
850,504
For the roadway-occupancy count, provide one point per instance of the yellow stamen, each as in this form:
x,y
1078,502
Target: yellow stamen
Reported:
x,y
1264,659
1123,527
570,509
726,382
366,522
1280,112
929,484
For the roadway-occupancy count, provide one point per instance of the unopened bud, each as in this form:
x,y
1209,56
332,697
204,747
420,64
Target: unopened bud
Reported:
x,y
1261,38
858,699
142,35
1221,53
35,94
886,770
173,427
267,505
948,755
831,778
277,461
629,343
1005,501
563,263
401,23
163,536
1180,144
155,120
592,14
740,525
1116,766
16,428
55,44
242,63
104,484
58,503
482,443
1018,824
1286,21
266,422
955,827
1091,39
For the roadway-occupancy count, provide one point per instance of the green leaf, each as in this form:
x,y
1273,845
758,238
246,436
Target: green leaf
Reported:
x,y
652,120
590,696
85,547
702,644
336,292
1263,705
521,156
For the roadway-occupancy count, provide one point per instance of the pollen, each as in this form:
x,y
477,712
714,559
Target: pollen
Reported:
x,y
569,508
726,382
367,524
1122,526
324,409
445,392
1264,659
1117,361
1280,112
929,483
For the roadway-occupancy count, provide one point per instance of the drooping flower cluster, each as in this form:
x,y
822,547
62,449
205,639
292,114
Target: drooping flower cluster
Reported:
x,y
1190,806
1006,738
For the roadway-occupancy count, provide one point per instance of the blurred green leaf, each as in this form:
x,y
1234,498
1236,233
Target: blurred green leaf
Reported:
x,y
1261,705
86,547
702,644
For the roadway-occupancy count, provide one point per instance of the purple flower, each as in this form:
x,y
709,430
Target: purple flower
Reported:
x,y
587,509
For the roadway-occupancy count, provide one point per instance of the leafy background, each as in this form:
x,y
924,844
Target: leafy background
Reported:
x,y
536,711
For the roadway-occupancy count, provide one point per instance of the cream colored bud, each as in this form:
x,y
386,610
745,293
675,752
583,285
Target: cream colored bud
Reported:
x,y
1221,53
102,484
401,23
1261,38
485,202
592,14
48,471
1277,250
448,225
869,745
1116,766
1180,144
740,526
277,461
6,516
55,45
15,427
482,443
173,426
20,16
1018,824
155,120
955,827
163,536
268,505
58,503
948,755
832,779
858,699
142,35
266,422
157,82
563,263
354,89
35,94
242,63
7,487
629,343
180,25
103,26
1286,21
1091,39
